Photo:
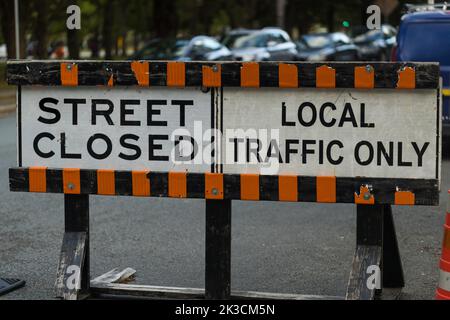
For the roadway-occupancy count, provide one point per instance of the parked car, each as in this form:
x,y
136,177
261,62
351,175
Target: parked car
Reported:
x,y
230,38
200,48
424,36
376,44
268,44
335,46
3,52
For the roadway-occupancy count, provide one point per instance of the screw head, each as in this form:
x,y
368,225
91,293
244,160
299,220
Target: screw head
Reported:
x,y
368,68
215,68
367,196
69,66
215,191
71,186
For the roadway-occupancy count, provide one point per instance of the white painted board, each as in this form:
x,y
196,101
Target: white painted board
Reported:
x,y
46,118
385,133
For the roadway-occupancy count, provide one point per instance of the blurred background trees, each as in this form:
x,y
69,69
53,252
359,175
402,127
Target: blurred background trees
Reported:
x,y
115,27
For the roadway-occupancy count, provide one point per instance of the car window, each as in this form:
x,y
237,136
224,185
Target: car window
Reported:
x,y
277,38
231,39
316,41
161,50
340,38
253,41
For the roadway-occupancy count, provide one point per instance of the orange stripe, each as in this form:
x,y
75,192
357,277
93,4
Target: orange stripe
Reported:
x,y
326,189
37,179
141,72
404,198
177,185
364,77
176,74
444,265
71,181
111,81
441,294
287,188
406,78
249,187
287,75
325,77
140,183
250,75
69,74
363,193
214,186
105,182
212,76
446,241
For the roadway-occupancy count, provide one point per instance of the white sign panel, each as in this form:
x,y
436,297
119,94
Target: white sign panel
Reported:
x,y
121,128
331,132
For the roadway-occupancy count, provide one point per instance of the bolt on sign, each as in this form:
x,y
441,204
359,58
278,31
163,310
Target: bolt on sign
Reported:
x,y
335,132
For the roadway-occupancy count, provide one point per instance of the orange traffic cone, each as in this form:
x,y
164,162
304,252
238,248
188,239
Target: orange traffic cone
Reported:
x,y
443,291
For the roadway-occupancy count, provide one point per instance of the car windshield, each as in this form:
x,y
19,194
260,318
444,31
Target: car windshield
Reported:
x,y
230,40
252,41
372,35
316,41
164,49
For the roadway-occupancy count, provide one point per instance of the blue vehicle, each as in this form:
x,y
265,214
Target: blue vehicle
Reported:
x,y
424,35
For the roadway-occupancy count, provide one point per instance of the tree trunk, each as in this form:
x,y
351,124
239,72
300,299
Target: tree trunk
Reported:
x,y
165,18
73,43
107,30
330,17
7,21
41,29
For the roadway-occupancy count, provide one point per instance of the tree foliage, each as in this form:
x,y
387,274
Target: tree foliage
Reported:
x,y
114,24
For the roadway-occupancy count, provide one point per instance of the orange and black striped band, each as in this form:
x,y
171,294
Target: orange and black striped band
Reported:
x,y
359,75
226,186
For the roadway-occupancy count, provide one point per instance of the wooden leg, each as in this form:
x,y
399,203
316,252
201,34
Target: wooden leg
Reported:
x,y
73,278
392,263
218,249
367,260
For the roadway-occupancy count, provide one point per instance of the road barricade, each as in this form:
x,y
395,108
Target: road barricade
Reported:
x,y
367,134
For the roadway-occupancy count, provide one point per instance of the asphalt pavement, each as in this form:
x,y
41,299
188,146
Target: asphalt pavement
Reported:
x,y
277,247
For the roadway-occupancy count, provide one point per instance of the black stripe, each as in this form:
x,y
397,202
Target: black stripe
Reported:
x,y
307,75
159,184
54,179
88,181
91,72
268,74
123,183
268,188
195,185
123,74
19,179
232,186
158,73
194,75
231,74
307,189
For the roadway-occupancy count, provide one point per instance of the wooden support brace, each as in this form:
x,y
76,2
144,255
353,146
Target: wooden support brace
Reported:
x,y
377,262
73,276
218,249
144,291
71,262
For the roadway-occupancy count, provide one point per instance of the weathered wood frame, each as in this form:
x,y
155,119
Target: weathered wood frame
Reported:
x,y
376,243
